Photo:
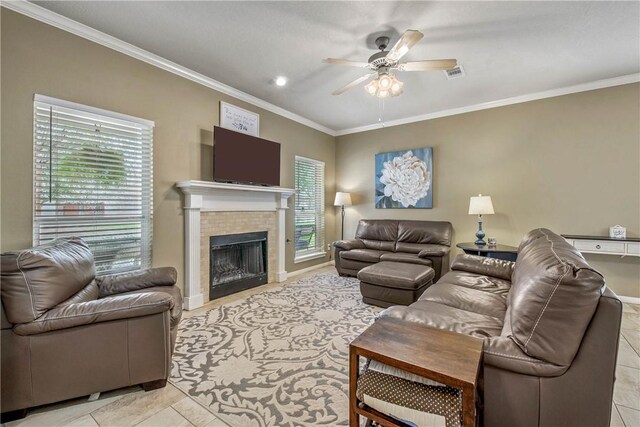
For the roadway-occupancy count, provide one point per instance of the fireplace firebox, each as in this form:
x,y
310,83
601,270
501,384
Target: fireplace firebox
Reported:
x,y
238,262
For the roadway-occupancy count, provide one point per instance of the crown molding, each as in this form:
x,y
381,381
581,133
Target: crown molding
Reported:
x,y
51,18
598,84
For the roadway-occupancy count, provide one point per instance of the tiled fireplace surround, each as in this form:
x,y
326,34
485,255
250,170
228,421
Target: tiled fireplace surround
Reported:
x,y
220,223
216,209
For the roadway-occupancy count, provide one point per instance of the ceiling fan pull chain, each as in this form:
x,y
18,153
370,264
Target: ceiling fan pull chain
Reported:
x,y
381,111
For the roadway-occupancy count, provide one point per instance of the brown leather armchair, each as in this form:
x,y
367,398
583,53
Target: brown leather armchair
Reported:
x,y
67,333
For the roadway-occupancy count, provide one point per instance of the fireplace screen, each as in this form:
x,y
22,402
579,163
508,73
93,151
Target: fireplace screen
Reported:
x,y
238,262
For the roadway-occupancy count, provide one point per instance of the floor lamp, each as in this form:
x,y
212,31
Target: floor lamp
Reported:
x,y
342,199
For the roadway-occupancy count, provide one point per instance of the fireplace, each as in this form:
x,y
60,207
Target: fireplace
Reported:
x,y
238,262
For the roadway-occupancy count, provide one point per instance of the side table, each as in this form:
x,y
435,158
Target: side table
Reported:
x,y
507,253
446,357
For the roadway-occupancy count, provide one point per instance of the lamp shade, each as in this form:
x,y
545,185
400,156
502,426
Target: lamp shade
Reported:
x,y
342,199
480,205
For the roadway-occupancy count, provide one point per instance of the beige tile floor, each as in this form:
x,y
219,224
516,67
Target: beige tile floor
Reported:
x,y
171,407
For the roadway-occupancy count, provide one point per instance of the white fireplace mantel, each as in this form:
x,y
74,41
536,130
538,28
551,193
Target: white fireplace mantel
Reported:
x,y
204,196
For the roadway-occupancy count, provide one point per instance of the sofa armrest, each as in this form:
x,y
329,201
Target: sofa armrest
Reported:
x,y
101,310
503,353
126,282
493,267
347,245
434,250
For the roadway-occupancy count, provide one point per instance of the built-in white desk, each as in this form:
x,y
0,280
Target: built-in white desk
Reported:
x,y
605,245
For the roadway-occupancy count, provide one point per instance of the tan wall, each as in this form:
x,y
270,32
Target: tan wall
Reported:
x,y
37,58
570,163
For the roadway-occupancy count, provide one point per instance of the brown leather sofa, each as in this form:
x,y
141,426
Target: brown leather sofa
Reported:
x,y
550,328
67,333
415,242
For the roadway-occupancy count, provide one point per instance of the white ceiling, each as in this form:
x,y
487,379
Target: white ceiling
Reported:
x,y
506,48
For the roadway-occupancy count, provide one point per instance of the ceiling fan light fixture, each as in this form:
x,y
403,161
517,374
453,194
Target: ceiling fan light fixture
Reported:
x,y
371,87
396,88
384,82
384,86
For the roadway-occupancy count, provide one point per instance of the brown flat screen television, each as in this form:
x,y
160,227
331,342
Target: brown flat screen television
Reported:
x,y
245,159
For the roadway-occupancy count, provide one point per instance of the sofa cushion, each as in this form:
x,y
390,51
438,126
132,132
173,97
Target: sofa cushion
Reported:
x,y
465,298
483,266
434,232
364,255
553,296
405,257
442,316
37,279
378,234
483,283
416,248
379,245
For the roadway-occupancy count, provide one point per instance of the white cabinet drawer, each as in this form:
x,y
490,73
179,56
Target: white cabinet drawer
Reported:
x,y
599,246
633,248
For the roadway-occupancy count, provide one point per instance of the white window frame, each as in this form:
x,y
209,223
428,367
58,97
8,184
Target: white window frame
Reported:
x,y
105,117
319,250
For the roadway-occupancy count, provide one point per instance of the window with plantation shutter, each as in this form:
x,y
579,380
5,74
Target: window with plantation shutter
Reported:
x,y
93,179
309,214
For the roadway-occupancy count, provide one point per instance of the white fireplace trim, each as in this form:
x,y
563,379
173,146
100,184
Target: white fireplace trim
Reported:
x,y
204,196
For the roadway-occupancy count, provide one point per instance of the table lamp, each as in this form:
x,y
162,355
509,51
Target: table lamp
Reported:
x,y
342,199
480,205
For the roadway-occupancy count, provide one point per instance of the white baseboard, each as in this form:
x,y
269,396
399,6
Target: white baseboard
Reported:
x,y
629,300
308,269
193,302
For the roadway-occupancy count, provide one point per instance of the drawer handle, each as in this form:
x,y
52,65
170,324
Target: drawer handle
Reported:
x,y
597,246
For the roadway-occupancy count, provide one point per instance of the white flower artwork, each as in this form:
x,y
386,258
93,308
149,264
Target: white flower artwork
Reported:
x,y
404,179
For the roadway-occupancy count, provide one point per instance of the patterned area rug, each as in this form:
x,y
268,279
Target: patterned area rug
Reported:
x,y
277,358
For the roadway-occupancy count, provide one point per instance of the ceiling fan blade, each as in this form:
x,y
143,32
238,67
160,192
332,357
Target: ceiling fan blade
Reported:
x,y
432,64
406,42
345,62
352,84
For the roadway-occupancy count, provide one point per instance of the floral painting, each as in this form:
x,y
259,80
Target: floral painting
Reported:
x,y
404,179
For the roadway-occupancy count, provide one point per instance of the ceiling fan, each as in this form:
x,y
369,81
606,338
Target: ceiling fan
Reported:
x,y
383,62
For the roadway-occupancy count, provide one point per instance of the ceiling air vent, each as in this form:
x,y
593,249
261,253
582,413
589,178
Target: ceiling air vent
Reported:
x,y
455,72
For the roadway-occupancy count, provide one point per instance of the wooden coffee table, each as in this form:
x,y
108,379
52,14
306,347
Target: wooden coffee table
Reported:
x,y
446,357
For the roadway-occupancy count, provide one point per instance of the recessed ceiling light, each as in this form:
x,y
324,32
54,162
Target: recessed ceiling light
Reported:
x,y
281,81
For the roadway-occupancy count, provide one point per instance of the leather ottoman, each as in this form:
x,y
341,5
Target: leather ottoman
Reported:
x,y
390,283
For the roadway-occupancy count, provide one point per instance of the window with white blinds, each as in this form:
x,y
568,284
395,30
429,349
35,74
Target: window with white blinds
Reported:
x,y
93,180
309,214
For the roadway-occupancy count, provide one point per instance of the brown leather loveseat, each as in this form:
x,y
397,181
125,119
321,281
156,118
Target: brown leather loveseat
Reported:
x,y
67,333
414,242
550,328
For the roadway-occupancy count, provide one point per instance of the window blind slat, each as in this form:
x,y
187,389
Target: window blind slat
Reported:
x,y
93,180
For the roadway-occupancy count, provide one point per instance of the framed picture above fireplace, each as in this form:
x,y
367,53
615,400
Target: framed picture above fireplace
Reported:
x,y
239,119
